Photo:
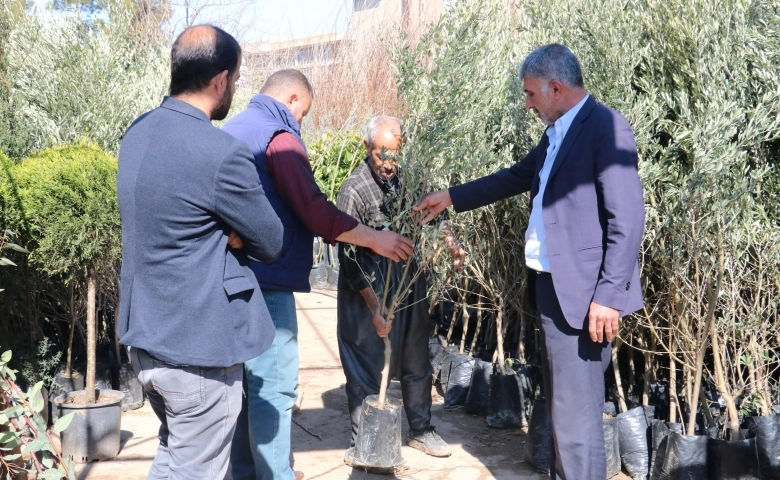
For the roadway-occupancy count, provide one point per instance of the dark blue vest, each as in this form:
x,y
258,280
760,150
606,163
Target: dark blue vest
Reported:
x,y
257,125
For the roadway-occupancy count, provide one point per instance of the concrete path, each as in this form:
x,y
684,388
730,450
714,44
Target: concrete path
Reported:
x,y
480,453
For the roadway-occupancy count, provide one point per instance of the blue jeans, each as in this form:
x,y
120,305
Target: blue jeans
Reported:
x,y
261,444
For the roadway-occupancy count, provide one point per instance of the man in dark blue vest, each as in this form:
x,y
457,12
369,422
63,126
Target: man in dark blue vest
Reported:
x,y
271,127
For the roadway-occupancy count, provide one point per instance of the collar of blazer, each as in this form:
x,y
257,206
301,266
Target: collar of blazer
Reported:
x,y
571,135
181,106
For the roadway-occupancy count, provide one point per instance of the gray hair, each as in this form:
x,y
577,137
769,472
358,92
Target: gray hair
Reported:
x,y
553,62
373,125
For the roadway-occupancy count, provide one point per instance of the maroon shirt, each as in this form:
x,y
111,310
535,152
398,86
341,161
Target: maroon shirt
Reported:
x,y
288,164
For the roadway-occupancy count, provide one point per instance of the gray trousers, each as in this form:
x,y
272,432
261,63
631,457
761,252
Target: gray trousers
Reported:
x,y
197,408
573,369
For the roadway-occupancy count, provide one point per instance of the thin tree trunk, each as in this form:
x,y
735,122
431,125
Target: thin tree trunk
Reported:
x,y
91,334
476,330
521,341
705,406
631,370
616,370
674,402
385,372
500,337
68,371
720,384
465,318
648,376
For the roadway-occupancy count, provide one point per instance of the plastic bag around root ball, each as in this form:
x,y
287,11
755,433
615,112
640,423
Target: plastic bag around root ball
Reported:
x,y
459,380
658,432
633,429
435,355
539,441
733,460
479,391
766,431
611,446
681,457
378,443
446,365
504,402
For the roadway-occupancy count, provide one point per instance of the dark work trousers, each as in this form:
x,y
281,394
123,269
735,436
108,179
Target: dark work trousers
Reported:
x,y
362,354
573,369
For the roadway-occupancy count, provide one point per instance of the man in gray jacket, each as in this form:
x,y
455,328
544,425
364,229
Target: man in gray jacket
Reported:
x,y
191,310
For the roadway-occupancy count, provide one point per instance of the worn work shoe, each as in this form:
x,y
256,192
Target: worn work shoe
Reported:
x,y
428,441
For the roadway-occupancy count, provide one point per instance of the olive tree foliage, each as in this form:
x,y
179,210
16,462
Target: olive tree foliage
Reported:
x,y
67,79
697,82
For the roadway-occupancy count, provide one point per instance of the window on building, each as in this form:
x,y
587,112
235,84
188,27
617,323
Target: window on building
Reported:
x,y
365,4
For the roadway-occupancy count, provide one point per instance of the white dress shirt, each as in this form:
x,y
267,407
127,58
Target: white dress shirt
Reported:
x,y
535,238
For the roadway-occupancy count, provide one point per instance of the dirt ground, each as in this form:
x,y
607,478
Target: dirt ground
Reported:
x,y
479,452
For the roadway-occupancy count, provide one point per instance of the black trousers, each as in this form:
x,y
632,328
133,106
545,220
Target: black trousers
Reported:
x,y
573,369
362,355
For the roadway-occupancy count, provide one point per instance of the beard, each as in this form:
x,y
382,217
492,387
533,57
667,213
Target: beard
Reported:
x,y
223,107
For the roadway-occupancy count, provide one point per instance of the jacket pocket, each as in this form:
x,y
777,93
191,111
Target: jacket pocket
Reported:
x,y
234,280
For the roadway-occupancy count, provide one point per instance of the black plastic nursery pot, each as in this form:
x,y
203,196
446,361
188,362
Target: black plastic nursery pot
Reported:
x,y
611,446
378,444
633,427
659,430
680,457
479,391
504,401
446,365
733,460
131,387
766,431
459,379
435,355
539,442
93,434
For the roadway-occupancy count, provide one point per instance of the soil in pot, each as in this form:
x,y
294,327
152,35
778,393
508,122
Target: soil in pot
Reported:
x,y
93,434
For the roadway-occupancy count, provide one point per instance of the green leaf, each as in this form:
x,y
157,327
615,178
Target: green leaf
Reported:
x,y
16,247
62,423
35,446
10,439
50,475
48,462
9,458
6,357
4,262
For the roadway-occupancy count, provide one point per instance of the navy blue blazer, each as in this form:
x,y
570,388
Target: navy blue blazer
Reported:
x,y
593,210
182,186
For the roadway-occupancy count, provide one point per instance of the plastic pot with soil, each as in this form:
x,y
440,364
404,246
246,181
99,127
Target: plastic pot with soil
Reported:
x,y
539,442
766,431
94,432
680,457
611,446
733,459
633,427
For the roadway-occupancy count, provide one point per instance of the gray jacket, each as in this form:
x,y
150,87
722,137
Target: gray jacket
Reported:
x,y
183,185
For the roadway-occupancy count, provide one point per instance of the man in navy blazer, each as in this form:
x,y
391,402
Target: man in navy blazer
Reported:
x,y
191,310
582,245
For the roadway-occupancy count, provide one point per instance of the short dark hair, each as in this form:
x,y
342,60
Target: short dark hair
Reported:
x,y
553,62
283,80
198,55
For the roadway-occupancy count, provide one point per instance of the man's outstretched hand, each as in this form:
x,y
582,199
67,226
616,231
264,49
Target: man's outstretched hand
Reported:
x,y
433,204
392,245
602,322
